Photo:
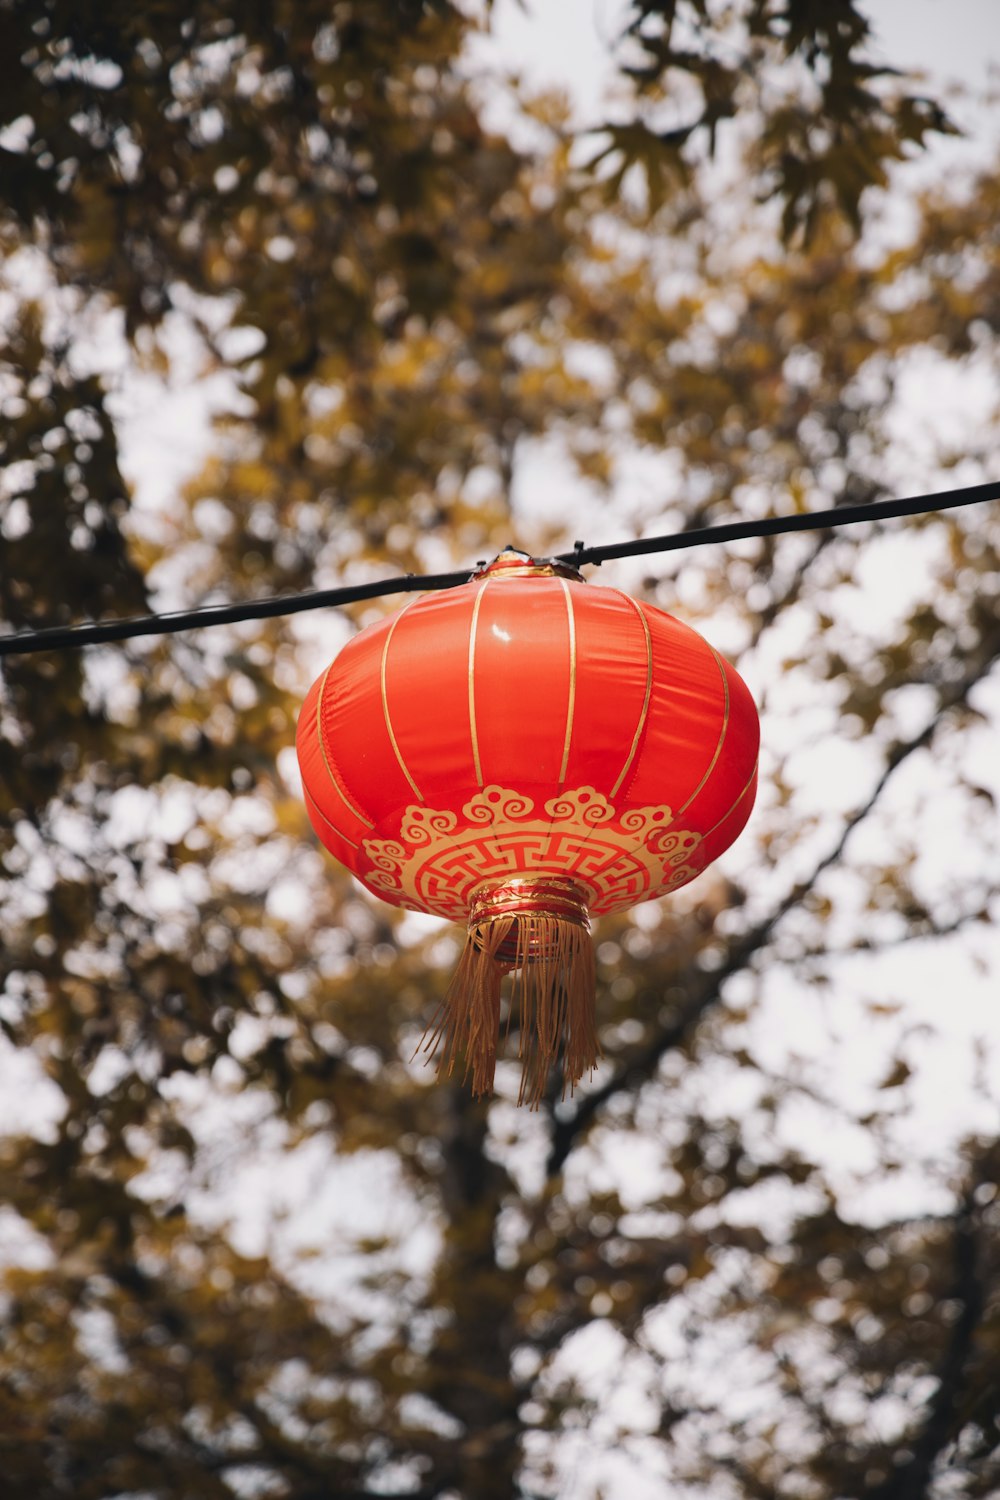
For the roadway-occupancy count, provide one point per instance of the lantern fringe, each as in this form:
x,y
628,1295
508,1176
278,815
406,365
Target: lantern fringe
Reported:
x,y
553,993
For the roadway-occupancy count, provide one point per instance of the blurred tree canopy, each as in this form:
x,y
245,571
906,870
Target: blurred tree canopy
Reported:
x,y
248,1246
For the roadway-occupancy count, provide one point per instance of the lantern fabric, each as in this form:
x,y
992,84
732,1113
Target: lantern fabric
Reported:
x,y
519,753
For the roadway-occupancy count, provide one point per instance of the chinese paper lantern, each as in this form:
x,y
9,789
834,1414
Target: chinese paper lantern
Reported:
x,y
520,753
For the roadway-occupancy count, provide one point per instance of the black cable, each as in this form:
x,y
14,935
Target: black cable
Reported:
x,y
73,636
817,520
59,636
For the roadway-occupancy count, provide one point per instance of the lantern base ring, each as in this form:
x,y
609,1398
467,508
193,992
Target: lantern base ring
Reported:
x,y
536,928
527,896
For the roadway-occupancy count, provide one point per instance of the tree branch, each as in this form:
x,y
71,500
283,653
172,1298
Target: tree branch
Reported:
x,y
867,946
643,1065
910,1480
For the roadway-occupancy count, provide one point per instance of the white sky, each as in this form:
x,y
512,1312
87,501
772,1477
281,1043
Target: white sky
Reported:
x,y
566,43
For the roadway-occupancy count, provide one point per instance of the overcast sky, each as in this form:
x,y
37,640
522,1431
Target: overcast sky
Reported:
x,y
568,42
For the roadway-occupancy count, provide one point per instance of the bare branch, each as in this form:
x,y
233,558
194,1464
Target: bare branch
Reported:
x,y
565,1132
866,946
910,1480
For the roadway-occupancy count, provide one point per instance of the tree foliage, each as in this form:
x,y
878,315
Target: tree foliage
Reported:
x,y
250,1246
829,121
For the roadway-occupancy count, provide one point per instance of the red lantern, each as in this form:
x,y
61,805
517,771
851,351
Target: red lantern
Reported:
x,y
522,752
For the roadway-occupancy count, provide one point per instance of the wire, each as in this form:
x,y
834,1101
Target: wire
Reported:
x,y
67,636
74,636
817,520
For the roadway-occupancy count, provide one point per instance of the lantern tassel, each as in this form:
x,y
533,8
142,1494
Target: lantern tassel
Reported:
x,y
551,957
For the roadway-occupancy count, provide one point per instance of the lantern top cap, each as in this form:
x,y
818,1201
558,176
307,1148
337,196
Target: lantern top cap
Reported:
x,y
513,563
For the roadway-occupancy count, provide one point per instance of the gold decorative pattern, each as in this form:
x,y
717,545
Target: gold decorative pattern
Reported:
x,y
421,825
584,806
385,855
440,858
495,804
645,702
385,701
571,704
646,820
